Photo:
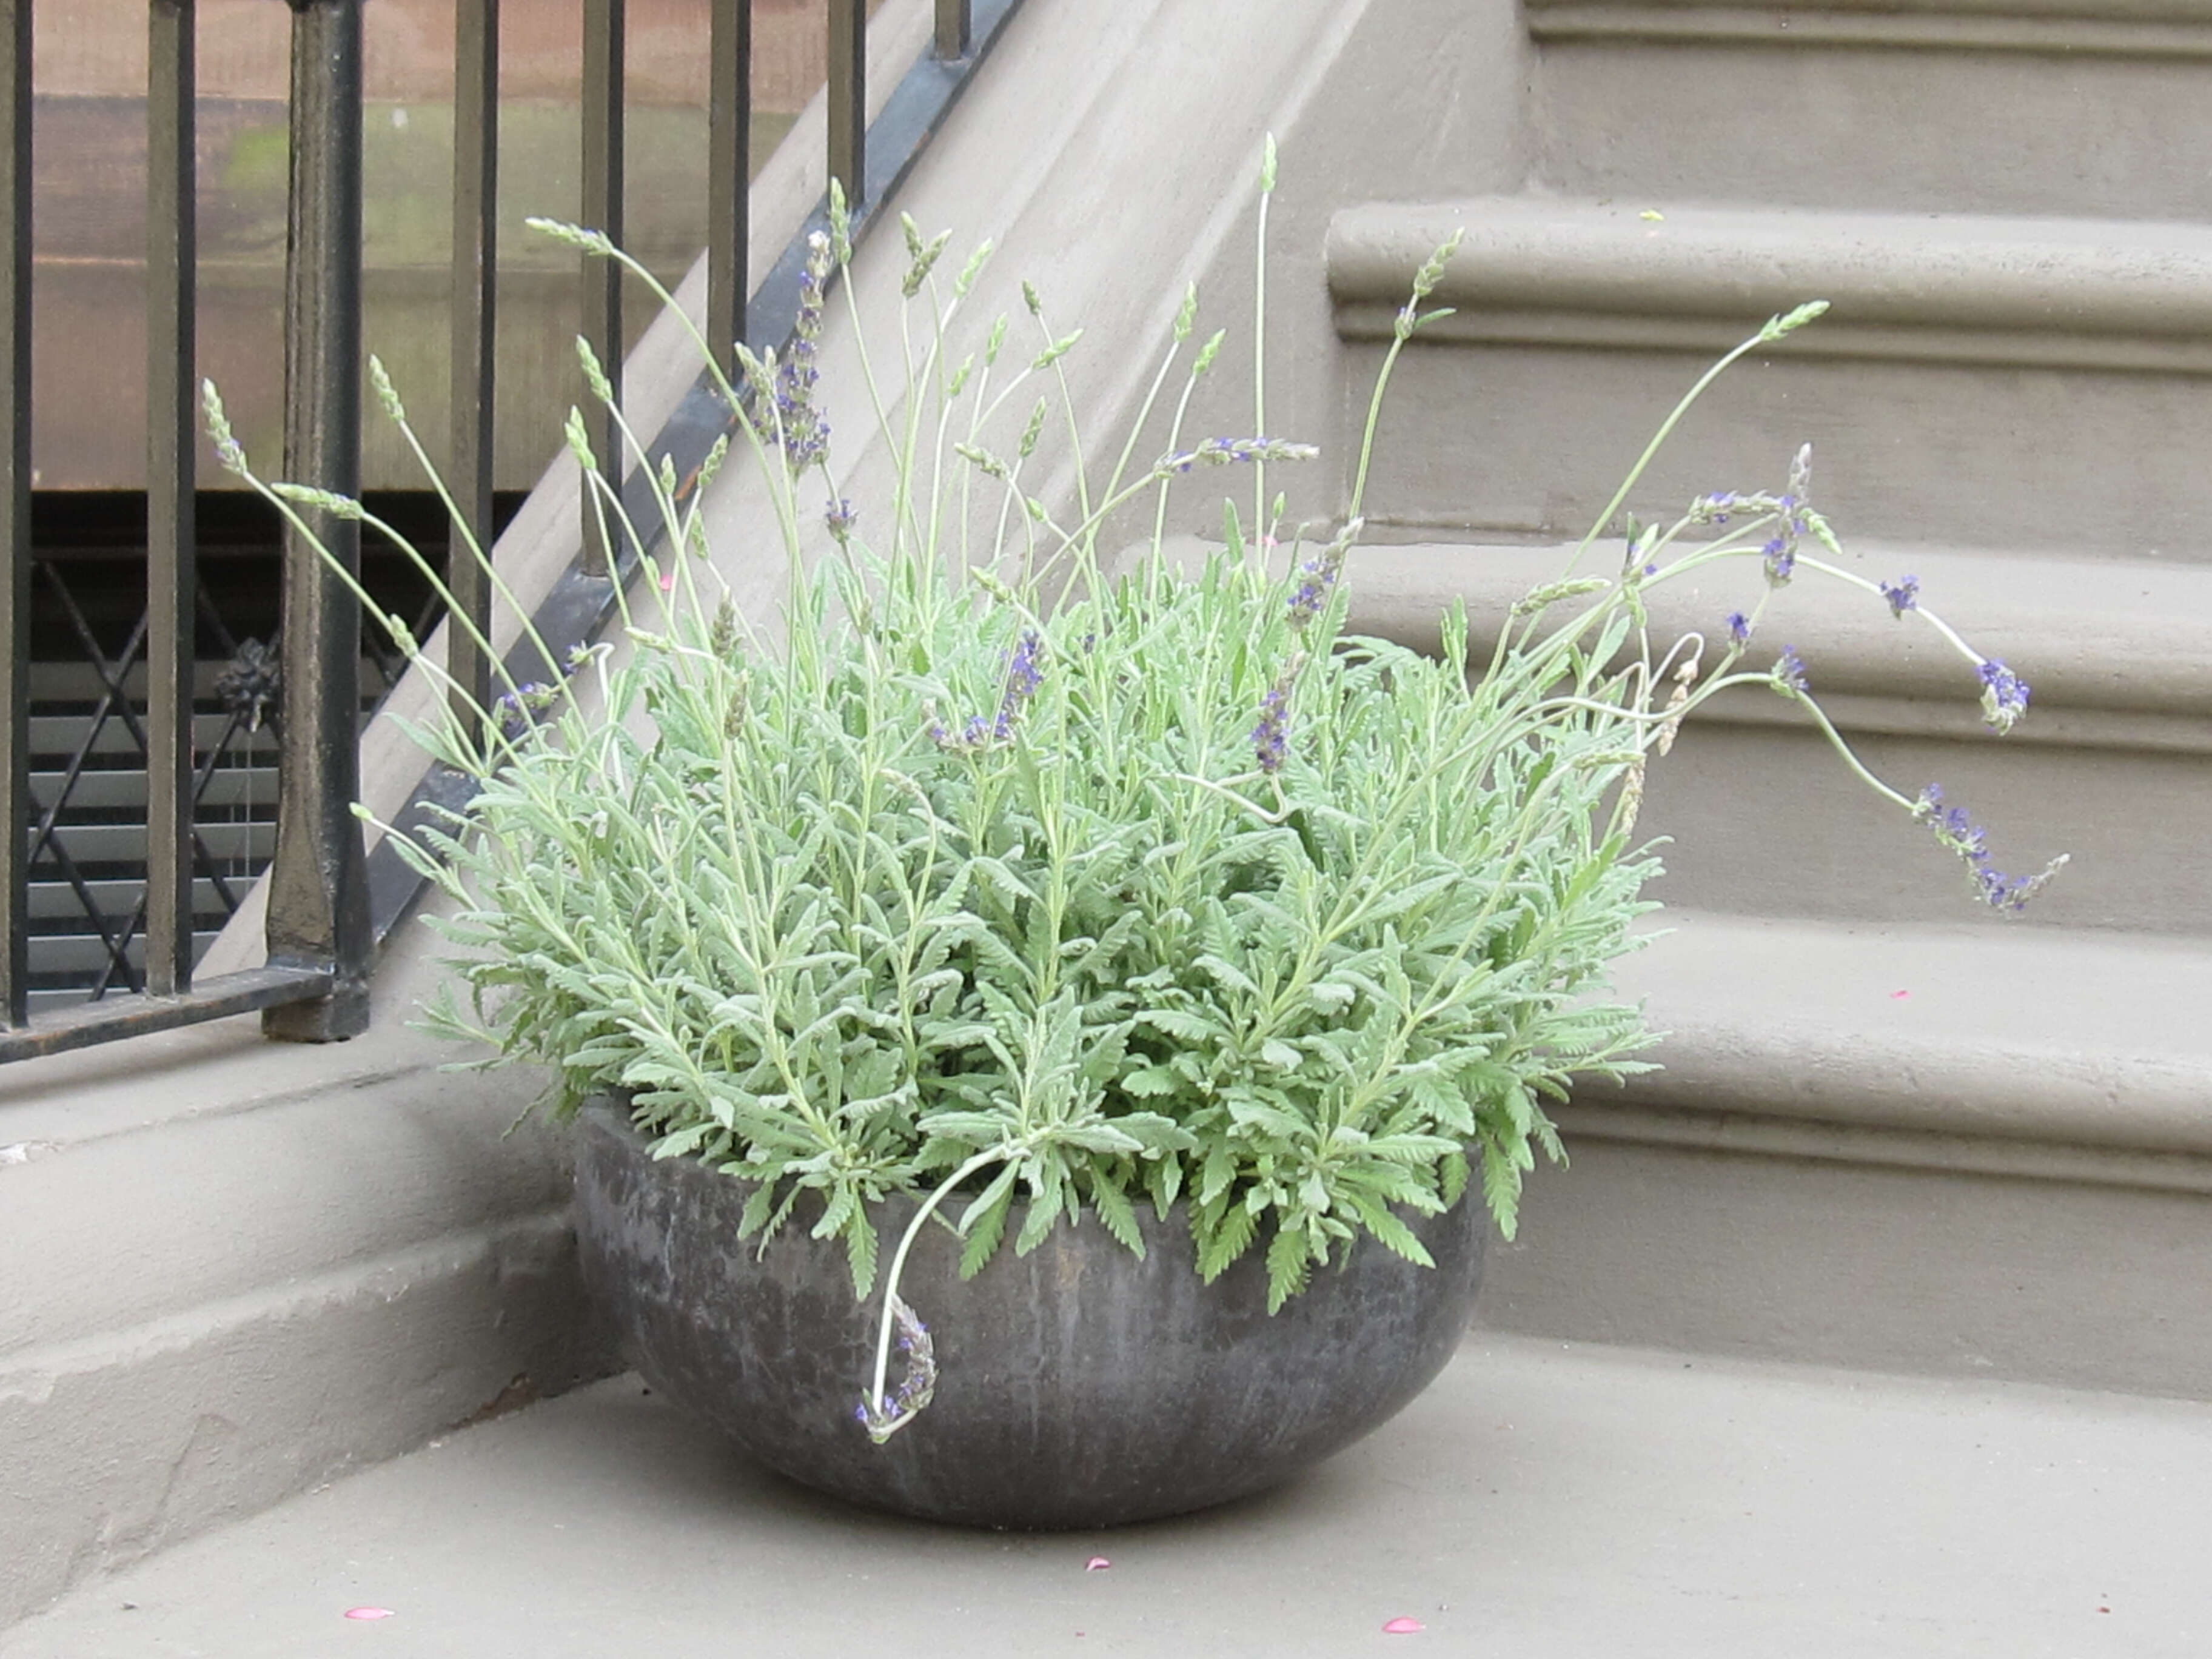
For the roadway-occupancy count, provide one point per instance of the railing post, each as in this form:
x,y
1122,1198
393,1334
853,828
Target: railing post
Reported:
x,y
171,436
729,177
955,28
14,507
604,30
317,890
476,263
849,97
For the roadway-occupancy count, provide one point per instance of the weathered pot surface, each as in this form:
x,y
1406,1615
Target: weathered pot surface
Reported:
x,y
1077,1386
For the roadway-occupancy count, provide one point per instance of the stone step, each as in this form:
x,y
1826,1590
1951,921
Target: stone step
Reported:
x,y
2072,107
2110,763
1938,1149
1544,1500
2020,384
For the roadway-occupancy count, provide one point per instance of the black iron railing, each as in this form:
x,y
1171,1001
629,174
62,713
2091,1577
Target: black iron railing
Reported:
x,y
329,906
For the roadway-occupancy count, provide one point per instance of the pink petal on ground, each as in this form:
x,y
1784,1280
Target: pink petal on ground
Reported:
x,y
1097,1564
1898,996
668,579
368,1612
1403,1626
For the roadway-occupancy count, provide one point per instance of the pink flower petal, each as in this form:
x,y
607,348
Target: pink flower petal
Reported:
x,y
368,1612
1898,996
1403,1626
1097,1564
668,579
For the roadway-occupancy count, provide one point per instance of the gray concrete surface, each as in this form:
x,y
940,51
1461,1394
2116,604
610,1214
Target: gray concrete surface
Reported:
x,y
1542,1500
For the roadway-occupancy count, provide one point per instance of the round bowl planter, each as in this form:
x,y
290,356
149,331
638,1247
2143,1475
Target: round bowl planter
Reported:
x,y
1077,1386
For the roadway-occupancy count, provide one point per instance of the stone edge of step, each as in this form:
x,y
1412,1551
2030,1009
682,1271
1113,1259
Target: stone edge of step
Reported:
x,y
2079,1056
2056,292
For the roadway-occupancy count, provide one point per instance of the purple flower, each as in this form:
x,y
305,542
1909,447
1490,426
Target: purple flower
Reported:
x,y
1739,626
518,710
1903,595
1318,577
1955,829
883,1417
1023,675
1781,553
1270,736
839,515
1789,673
2004,696
1312,595
1223,452
806,430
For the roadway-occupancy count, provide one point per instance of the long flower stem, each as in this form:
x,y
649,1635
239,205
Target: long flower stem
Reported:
x,y
996,1155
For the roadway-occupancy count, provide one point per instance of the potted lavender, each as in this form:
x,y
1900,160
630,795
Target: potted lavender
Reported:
x,y
1056,1031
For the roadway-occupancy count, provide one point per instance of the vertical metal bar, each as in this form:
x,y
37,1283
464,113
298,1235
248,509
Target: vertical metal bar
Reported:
x,y
14,507
729,176
603,211
171,576
955,28
849,97
318,886
475,264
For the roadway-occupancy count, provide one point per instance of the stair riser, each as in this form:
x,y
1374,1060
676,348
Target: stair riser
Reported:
x,y
1533,441
1987,1277
1841,126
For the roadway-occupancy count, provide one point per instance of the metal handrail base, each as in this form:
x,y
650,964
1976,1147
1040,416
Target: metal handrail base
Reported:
x,y
113,1017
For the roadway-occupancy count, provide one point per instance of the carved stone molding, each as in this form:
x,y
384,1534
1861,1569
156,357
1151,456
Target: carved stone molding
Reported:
x,y
1960,289
2150,28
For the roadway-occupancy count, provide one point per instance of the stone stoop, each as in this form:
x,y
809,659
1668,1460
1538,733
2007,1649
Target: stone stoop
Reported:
x,y
1547,1500
1943,1149
1893,1131
236,1268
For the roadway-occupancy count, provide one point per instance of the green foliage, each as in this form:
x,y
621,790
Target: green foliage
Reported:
x,y
1084,886
828,953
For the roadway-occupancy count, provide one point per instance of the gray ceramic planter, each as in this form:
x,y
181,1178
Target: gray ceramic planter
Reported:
x,y
1076,1386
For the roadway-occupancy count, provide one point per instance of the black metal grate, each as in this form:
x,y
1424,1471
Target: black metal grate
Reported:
x,y
88,737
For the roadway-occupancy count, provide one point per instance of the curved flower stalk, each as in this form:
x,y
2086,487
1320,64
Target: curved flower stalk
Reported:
x,y
1154,890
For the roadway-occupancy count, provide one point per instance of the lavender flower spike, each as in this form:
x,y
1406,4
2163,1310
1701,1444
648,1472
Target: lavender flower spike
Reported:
x,y
885,1418
1023,675
1789,673
1781,554
1782,551
1318,577
1224,452
1955,830
1270,736
2004,696
806,430
1903,594
1739,628
1801,477
518,710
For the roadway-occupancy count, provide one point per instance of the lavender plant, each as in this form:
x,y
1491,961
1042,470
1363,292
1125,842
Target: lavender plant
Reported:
x,y
1044,890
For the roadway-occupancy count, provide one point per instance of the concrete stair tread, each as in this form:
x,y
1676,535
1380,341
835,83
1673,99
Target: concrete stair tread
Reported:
x,y
1541,1499
2063,1037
